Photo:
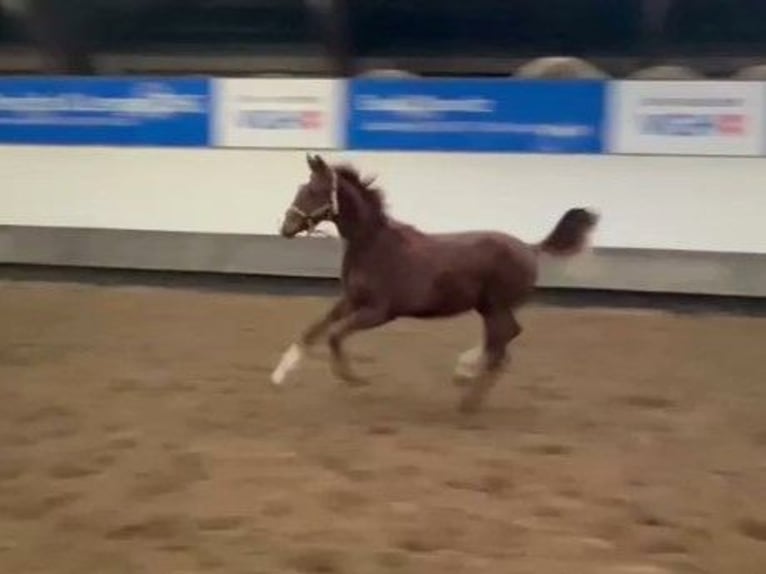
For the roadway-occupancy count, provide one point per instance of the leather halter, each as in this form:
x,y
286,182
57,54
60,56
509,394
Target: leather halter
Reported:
x,y
323,212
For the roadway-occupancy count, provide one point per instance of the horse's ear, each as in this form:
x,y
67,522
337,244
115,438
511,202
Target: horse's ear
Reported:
x,y
319,164
369,180
316,163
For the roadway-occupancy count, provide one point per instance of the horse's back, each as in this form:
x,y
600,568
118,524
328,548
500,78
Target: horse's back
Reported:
x,y
504,248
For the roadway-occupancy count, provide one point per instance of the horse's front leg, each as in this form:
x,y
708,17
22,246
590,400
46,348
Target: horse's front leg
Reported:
x,y
292,358
317,329
359,320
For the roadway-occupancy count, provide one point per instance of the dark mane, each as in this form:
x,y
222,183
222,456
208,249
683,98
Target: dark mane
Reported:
x,y
372,195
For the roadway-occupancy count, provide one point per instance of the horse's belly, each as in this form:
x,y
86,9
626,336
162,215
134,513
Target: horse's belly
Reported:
x,y
439,309
447,296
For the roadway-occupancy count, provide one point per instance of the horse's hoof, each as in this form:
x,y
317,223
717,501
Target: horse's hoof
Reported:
x,y
356,382
312,352
349,378
470,404
468,408
466,373
462,380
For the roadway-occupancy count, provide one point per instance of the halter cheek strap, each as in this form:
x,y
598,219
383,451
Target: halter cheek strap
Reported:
x,y
334,193
331,208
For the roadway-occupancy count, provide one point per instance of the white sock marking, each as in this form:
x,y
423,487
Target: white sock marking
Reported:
x,y
469,362
289,362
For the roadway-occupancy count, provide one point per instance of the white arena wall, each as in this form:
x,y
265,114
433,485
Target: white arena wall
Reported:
x,y
673,224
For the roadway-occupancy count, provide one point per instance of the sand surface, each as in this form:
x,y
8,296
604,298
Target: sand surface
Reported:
x,y
139,434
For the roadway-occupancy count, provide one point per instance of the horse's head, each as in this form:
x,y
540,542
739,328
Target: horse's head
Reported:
x,y
316,200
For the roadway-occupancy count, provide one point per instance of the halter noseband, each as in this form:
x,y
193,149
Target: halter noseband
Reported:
x,y
320,213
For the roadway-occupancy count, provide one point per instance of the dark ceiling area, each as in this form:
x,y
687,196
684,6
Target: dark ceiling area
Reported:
x,y
399,30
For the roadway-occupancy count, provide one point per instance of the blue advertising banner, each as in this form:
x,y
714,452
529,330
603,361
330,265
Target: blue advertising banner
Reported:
x,y
105,111
483,115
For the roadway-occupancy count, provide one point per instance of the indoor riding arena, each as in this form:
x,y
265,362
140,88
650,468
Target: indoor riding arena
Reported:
x,y
140,433
382,287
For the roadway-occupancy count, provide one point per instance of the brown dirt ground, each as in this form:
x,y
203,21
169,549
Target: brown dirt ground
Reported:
x,y
138,433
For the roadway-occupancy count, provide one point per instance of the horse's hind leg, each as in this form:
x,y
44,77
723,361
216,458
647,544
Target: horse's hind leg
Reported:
x,y
500,328
469,365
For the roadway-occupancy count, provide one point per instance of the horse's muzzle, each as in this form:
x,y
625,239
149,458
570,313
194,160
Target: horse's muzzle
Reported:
x,y
288,231
291,225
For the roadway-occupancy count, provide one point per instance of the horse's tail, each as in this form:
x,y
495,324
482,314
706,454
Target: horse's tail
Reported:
x,y
570,234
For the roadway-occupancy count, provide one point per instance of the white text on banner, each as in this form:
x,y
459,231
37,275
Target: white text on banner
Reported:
x,y
278,113
686,118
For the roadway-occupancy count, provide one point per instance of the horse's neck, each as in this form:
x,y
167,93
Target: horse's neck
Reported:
x,y
357,221
357,235
390,236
